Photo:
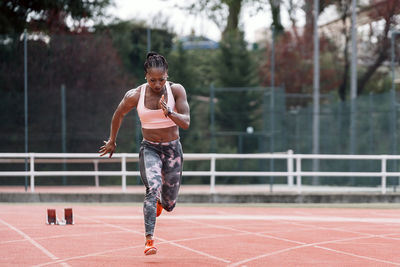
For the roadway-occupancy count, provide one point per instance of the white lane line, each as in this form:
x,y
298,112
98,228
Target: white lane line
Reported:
x,y
302,244
383,236
337,229
243,231
358,256
366,235
243,217
131,247
204,237
86,256
33,242
305,225
388,236
316,245
165,241
61,236
198,252
126,248
380,214
302,213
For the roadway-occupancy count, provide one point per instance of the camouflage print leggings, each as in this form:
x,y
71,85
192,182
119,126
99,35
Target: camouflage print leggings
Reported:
x,y
161,172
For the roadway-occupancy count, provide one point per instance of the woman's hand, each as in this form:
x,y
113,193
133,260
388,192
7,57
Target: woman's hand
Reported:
x,y
167,110
108,147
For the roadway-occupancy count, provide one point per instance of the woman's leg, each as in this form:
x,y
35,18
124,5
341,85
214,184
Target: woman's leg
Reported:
x,y
172,174
150,171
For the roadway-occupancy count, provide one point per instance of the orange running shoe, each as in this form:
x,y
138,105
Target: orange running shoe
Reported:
x,y
149,248
159,208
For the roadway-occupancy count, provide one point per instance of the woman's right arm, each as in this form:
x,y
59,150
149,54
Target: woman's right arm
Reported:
x,y
129,102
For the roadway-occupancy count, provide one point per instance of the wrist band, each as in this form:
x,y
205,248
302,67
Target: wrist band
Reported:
x,y
169,111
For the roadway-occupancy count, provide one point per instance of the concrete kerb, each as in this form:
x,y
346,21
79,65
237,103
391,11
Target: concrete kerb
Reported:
x,y
11,197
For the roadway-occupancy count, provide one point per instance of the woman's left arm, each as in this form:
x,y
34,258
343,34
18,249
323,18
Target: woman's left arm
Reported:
x,y
182,115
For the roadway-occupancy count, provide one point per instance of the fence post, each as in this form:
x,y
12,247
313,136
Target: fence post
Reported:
x,y
298,170
123,170
26,103
32,170
63,129
212,118
212,178
290,168
96,169
383,178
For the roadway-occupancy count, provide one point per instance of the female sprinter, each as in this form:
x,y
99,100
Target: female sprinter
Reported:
x,y
162,108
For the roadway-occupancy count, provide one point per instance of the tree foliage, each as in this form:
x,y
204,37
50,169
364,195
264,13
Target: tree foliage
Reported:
x,y
95,81
235,68
44,15
294,65
387,12
131,40
226,13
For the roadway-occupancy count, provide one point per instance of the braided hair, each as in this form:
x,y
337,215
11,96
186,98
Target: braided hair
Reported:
x,y
155,60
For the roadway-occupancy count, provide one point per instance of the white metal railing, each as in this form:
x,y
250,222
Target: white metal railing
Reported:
x,y
124,158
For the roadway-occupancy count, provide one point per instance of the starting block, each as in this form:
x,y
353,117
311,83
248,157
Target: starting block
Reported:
x,y
69,219
52,218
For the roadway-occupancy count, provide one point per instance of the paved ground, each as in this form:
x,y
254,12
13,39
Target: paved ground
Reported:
x,y
202,235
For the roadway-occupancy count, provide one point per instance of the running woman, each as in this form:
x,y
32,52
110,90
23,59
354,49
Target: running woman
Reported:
x,y
162,107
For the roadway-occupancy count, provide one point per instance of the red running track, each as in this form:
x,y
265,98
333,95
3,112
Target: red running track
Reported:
x,y
112,235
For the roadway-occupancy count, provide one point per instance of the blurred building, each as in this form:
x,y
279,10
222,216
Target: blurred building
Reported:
x,y
193,42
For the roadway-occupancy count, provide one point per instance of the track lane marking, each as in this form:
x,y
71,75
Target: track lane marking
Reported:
x,y
244,217
340,229
60,236
132,247
164,240
302,244
85,256
316,245
366,236
126,248
358,256
32,241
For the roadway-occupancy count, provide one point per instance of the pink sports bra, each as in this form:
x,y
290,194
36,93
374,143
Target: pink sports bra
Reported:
x,y
155,118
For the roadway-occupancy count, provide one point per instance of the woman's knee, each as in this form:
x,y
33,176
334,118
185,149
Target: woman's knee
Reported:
x,y
169,206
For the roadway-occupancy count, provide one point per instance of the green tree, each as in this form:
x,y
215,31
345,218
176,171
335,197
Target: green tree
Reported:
x,y
195,69
95,80
234,62
44,15
180,69
130,38
276,16
387,12
226,13
235,67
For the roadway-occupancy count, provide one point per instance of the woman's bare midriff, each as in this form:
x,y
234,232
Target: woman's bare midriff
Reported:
x,y
161,135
